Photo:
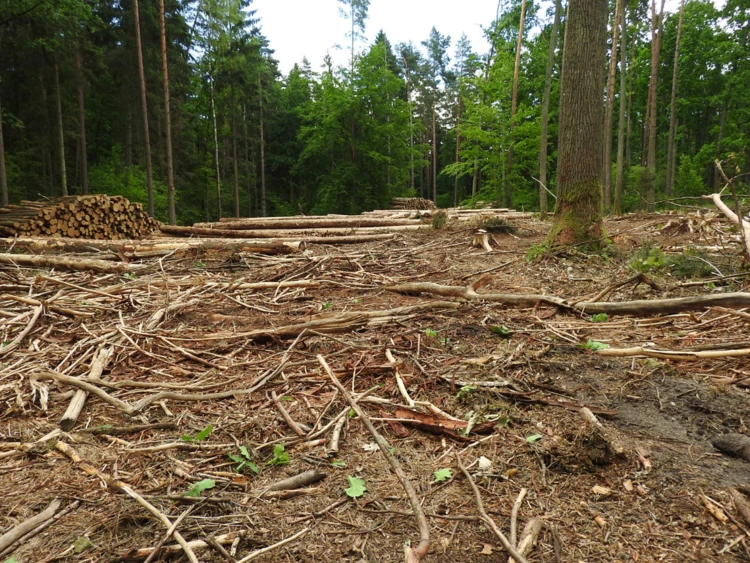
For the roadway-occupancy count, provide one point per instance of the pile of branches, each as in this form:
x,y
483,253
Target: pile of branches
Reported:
x,y
92,216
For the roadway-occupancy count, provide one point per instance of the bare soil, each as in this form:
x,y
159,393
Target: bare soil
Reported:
x,y
656,491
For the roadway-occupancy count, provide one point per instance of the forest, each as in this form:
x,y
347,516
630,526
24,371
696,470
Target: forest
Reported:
x,y
180,105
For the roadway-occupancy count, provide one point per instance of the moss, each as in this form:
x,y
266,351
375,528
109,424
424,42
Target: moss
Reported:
x,y
578,218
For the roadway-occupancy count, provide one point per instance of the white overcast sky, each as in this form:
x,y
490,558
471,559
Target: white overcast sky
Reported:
x,y
310,28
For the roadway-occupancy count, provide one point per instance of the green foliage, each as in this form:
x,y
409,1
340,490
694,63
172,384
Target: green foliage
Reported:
x,y
196,489
244,460
338,463
690,263
534,438
430,333
600,318
356,488
280,456
442,475
501,331
465,391
439,220
537,251
81,544
200,436
593,345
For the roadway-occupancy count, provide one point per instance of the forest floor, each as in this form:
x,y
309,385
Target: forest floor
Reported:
x,y
183,330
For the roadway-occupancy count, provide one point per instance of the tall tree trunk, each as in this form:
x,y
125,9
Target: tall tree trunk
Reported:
x,y
216,145
631,70
458,146
578,214
434,154
82,120
513,105
545,111
655,49
610,110
234,160
262,152
620,175
129,136
167,116
46,158
144,107
411,123
247,162
60,134
671,157
3,176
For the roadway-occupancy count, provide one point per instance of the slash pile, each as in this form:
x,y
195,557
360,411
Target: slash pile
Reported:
x,y
92,216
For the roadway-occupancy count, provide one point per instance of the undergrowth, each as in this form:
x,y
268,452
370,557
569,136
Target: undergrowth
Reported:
x,y
689,264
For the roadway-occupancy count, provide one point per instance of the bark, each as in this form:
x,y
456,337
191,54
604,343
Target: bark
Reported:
x,y
628,134
82,121
144,108
234,160
545,111
63,263
620,175
610,110
216,145
167,116
3,176
262,152
656,33
60,134
411,124
458,146
671,157
513,106
578,213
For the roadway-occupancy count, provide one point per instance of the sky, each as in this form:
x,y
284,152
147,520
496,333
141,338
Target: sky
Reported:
x,y
310,28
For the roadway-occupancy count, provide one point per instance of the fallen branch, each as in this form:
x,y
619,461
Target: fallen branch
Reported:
x,y
296,427
98,364
16,533
639,307
296,482
21,335
484,517
687,355
734,218
418,553
282,543
170,550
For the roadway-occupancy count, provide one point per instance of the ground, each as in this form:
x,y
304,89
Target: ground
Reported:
x,y
654,492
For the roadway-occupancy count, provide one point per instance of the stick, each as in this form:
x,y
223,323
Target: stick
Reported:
x,y
71,507
296,428
333,445
412,554
14,534
529,536
297,481
98,364
485,517
687,355
514,517
21,335
168,535
169,550
256,554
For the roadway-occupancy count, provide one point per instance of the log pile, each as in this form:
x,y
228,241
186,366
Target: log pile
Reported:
x,y
94,217
412,203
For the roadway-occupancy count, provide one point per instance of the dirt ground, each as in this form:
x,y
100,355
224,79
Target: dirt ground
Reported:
x,y
648,486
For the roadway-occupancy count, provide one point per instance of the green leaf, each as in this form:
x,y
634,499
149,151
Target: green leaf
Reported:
x,y
501,331
205,433
430,332
12,560
594,345
356,487
338,463
244,452
196,489
534,438
286,398
280,457
443,475
236,459
81,544
600,318
465,390
252,467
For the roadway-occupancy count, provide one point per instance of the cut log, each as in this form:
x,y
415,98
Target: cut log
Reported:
x,y
732,216
63,263
307,223
278,234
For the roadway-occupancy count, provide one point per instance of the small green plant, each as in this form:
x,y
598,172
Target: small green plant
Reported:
x,y
200,265
338,463
356,487
200,436
196,489
439,220
534,438
352,413
244,460
501,331
600,318
442,475
537,251
81,544
465,391
129,275
12,560
594,345
431,333
327,306
280,456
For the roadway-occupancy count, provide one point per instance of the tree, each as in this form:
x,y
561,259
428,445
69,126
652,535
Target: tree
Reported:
x,y
514,103
167,115
610,108
656,33
356,11
579,169
144,109
620,174
60,133
669,187
544,134
437,63
82,120
3,174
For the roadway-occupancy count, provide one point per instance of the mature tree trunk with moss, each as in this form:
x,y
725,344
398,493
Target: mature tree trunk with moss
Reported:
x,y
610,110
669,187
545,111
578,216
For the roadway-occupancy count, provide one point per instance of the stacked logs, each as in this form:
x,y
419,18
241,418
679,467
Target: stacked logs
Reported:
x,y
412,203
93,216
